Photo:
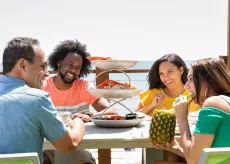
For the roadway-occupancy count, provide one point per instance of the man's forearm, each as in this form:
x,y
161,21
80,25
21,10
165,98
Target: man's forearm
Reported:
x,y
76,132
147,109
76,136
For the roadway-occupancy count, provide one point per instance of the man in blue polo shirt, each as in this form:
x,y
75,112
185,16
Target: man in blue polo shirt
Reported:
x,y
27,114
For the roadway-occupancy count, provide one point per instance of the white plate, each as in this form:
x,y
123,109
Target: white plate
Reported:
x,y
114,93
114,64
117,123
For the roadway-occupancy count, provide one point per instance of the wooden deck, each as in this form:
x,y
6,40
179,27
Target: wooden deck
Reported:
x,y
120,156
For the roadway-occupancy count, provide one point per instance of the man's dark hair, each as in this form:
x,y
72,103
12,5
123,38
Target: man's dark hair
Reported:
x,y
153,78
70,46
17,48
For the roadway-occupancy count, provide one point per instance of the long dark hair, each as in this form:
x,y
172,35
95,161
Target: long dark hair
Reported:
x,y
212,72
153,77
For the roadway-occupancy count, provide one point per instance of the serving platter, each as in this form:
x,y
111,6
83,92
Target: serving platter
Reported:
x,y
117,123
114,64
118,120
114,93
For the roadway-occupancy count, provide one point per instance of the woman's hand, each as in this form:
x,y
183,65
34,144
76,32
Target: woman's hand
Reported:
x,y
157,99
181,108
84,117
174,147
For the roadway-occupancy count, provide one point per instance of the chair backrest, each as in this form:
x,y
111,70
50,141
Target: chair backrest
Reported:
x,y
215,156
19,158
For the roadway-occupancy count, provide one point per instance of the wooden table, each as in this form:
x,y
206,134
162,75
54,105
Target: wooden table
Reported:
x,y
106,138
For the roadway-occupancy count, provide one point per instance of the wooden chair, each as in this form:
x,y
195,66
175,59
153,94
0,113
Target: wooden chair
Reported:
x,y
19,158
215,156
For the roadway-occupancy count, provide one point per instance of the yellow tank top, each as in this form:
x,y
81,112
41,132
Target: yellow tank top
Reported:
x,y
146,98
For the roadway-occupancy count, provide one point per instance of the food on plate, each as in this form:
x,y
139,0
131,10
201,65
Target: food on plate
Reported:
x,y
98,58
107,84
162,127
129,116
131,85
117,117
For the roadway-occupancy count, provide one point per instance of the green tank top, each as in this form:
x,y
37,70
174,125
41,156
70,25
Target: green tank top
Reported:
x,y
214,121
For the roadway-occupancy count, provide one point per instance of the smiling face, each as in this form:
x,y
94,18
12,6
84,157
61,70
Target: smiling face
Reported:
x,y
170,74
70,67
36,72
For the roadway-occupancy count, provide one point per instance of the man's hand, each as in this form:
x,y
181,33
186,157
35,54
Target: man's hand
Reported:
x,y
84,117
72,137
78,124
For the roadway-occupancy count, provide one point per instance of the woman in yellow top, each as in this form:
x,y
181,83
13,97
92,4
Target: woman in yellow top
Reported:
x,y
166,80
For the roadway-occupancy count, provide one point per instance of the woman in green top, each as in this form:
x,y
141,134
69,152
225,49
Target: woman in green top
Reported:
x,y
209,81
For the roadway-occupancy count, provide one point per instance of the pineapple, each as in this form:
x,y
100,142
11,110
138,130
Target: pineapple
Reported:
x,y
162,127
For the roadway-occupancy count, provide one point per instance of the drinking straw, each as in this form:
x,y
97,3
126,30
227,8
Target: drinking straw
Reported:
x,y
190,95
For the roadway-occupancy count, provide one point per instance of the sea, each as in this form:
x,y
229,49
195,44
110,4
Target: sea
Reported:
x,y
139,79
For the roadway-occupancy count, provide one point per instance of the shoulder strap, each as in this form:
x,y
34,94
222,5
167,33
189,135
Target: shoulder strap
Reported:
x,y
223,97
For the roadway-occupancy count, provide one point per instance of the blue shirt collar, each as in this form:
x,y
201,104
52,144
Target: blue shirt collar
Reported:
x,y
12,79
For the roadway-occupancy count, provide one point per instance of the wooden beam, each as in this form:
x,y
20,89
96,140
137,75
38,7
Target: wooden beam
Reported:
x,y
104,76
104,156
228,37
98,70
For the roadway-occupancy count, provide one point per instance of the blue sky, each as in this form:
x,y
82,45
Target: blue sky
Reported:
x,y
122,29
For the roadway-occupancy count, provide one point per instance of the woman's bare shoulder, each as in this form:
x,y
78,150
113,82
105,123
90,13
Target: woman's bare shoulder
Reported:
x,y
217,102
